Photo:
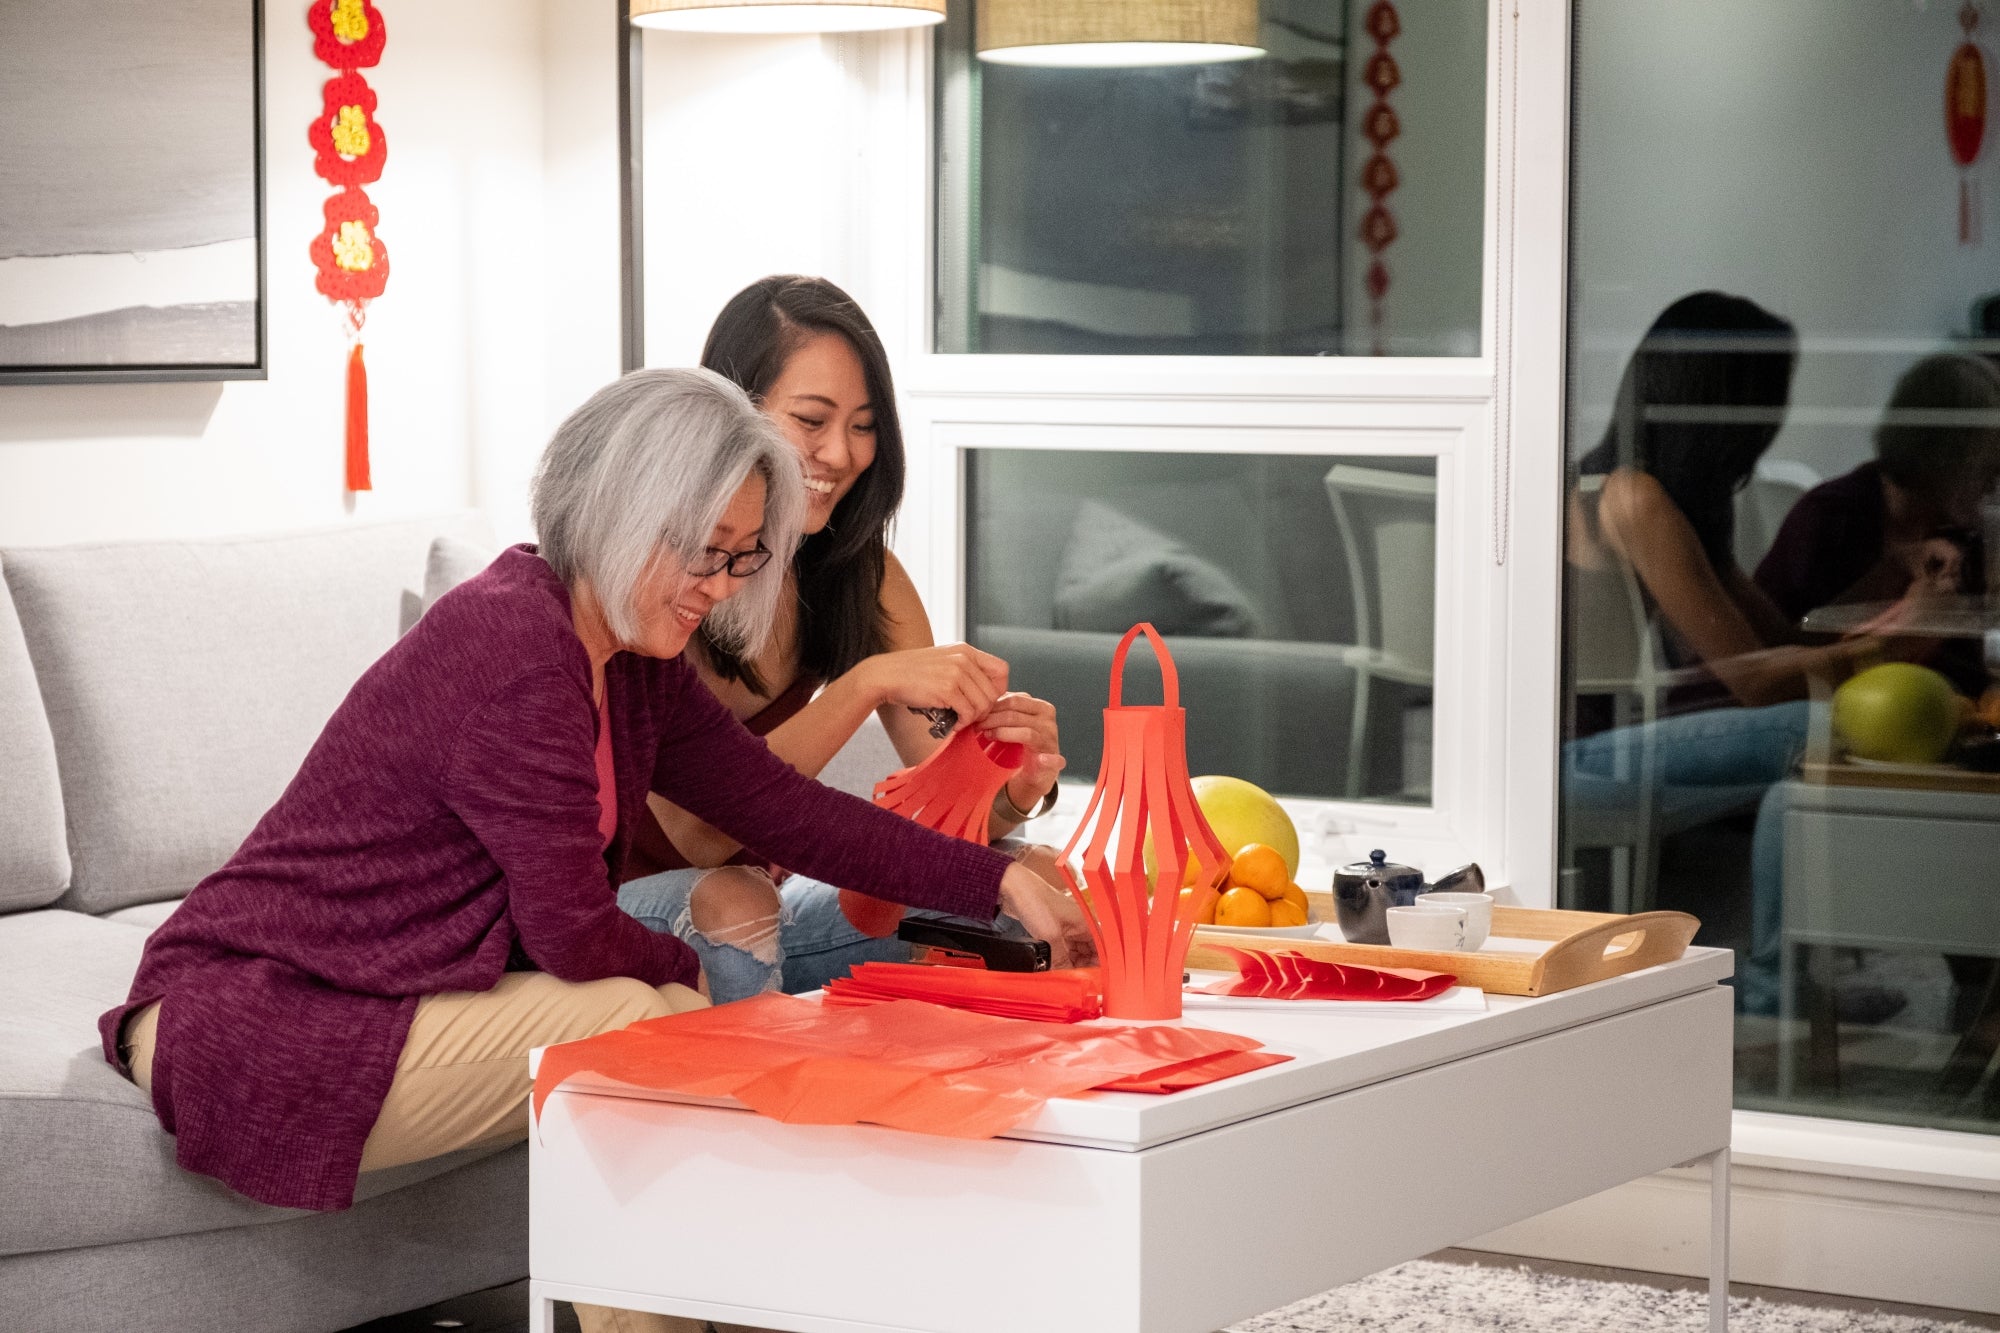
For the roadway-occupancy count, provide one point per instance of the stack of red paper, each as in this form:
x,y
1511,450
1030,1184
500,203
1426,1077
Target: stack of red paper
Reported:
x,y
900,1063
1069,996
1293,976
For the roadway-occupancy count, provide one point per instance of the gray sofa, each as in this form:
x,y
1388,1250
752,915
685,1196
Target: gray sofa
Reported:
x,y
154,700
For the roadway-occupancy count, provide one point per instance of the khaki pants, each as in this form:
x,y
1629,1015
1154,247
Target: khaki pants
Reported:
x,y
462,1079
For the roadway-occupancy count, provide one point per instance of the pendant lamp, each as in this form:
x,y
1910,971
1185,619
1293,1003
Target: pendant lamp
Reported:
x,y
1104,33
750,16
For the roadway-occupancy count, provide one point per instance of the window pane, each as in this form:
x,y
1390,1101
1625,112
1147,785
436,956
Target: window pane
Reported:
x,y
1294,592
1228,208
1784,422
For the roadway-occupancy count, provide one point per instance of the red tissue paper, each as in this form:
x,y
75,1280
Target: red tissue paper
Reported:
x,y
1068,996
902,1063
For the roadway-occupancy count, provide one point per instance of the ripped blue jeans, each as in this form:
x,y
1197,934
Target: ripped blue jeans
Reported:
x,y
809,944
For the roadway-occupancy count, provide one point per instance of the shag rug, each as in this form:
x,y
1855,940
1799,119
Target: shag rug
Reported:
x,y
1432,1297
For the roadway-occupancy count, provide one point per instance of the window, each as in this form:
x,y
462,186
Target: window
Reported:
x,y
1295,591
1784,439
1324,199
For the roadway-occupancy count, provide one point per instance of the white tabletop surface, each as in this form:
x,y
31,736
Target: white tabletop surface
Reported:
x,y
1333,1053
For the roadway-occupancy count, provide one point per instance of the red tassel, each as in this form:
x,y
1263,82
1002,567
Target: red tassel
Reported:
x,y
357,422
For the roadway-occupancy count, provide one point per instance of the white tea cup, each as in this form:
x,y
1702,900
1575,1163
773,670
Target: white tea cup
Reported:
x,y
1428,926
1478,913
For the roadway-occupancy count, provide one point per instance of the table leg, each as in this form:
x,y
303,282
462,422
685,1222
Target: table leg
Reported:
x,y
541,1310
1718,1242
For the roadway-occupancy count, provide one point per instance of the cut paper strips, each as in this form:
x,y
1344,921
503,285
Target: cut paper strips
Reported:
x,y
1293,976
1144,797
1068,996
903,1064
1195,1073
951,792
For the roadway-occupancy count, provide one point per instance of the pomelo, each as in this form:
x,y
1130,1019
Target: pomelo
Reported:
x,y
1897,713
1242,813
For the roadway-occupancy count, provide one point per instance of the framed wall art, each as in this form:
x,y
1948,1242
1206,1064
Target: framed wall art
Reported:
x,y
131,191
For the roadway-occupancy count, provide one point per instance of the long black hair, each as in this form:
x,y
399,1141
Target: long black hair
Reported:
x,y
1701,400
840,568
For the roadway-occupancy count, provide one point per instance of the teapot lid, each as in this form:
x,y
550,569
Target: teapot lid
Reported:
x,y
1378,863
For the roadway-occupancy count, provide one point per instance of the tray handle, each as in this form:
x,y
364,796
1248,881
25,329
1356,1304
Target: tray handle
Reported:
x,y
1603,951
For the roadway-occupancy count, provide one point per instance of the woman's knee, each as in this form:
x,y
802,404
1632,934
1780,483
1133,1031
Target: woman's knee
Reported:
x,y
736,905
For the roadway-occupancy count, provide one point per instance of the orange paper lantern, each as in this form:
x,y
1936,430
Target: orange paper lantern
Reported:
x,y
951,792
1143,795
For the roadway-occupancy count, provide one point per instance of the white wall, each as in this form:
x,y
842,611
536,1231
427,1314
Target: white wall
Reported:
x,y
1790,151
757,161
468,359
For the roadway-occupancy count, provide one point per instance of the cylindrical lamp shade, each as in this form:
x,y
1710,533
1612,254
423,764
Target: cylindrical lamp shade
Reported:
x,y
786,15
1117,32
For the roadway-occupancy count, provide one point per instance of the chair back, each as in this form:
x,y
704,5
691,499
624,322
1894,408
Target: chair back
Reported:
x,y
1388,534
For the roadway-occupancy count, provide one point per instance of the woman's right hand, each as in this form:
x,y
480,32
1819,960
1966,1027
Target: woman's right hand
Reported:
x,y
953,675
1048,913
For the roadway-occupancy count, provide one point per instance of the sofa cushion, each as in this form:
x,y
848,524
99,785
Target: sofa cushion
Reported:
x,y
34,861
185,681
146,916
450,563
1117,572
86,1161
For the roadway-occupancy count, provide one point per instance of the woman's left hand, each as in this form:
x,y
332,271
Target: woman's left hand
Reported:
x,y
1048,913
1030,723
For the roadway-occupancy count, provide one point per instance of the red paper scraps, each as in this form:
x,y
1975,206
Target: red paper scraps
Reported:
x,y
1068,996
1293,976
902,1063
951,792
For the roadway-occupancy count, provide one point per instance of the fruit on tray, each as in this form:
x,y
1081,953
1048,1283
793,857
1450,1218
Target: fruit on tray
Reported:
x,y
1261,867
1242,813
1242,907
1896,712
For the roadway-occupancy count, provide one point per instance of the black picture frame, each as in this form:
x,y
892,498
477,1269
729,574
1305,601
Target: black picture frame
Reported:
x,y
127,372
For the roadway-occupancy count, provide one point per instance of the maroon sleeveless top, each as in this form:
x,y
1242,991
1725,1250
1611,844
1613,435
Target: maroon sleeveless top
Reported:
x,y
652,851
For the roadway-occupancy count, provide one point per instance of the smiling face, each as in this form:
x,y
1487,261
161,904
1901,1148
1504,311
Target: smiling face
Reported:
x,y
820,401
669,604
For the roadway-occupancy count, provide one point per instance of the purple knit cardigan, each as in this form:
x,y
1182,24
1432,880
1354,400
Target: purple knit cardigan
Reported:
x,y
445,825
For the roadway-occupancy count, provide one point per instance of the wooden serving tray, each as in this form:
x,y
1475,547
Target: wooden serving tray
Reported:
x,y
1925,777
1587,947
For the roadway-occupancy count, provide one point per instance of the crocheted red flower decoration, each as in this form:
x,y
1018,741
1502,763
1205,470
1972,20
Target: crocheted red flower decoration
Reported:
x,y
347,34
353,263
349,147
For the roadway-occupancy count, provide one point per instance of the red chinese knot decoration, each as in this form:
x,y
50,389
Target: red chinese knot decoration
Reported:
x,y
349,149
1144,796
1378,175
951,792
1965,119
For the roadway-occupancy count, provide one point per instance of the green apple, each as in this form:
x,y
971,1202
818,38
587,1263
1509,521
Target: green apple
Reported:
x,y
1897,713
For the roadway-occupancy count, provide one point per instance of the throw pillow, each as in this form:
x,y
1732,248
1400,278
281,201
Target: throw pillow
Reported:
x,y
1117,572
449,564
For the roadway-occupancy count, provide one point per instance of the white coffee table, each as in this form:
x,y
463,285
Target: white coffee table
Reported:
x,y
1388,1137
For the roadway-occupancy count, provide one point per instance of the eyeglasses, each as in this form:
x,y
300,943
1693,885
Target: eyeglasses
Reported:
x,y
740,564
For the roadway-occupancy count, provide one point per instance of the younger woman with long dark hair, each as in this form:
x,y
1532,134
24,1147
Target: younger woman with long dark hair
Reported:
x,y
851,639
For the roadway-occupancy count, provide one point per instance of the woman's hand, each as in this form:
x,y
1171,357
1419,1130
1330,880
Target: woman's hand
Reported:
x,y
953,675
1030,723
1048,913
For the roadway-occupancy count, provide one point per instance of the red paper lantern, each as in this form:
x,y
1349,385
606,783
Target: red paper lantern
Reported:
x,y
951,792
1143,795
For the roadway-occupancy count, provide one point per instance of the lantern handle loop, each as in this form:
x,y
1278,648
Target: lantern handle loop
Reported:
x,y
1170,678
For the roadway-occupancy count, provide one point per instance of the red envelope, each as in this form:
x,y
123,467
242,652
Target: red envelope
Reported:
x,y
1293,976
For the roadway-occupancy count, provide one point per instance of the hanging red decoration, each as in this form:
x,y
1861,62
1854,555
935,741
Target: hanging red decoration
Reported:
x,y
349,149
1965,119
1379,176
951,792
1143,798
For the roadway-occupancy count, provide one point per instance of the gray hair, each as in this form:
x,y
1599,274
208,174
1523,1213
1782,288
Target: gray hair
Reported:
x,y
651,462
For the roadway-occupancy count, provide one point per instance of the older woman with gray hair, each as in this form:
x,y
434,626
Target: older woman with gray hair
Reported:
x,y
433,895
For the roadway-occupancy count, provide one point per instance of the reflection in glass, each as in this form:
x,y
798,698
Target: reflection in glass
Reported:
x,y
1781,647
1226,208
1296,593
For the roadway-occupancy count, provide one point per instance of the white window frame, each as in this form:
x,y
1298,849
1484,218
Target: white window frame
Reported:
x,y
1492,422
